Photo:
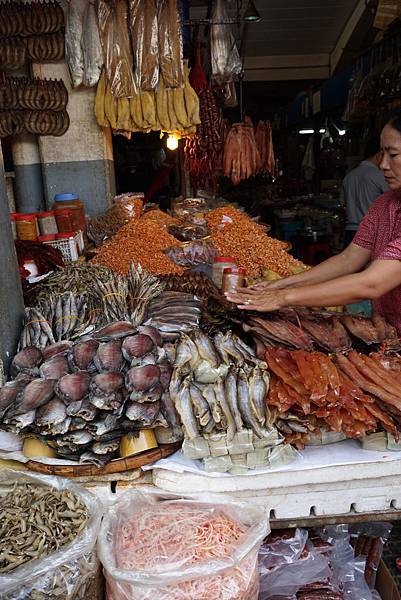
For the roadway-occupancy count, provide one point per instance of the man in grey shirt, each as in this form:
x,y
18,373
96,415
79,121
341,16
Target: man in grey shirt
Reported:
x,y
361,187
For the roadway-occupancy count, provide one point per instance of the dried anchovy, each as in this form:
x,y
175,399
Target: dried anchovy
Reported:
x,y
36,521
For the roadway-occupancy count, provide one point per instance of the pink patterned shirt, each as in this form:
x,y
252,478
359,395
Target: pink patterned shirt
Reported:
x,y
380,232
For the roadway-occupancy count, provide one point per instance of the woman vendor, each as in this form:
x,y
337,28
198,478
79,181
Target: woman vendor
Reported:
x,y
368,269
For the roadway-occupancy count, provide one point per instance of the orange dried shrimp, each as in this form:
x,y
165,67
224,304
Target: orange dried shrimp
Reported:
x,y
141,241
248,243
174,537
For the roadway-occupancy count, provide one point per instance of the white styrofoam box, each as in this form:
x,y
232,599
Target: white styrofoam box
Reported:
x,y
322,492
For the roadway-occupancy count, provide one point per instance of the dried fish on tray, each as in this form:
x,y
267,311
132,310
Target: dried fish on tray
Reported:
x,y
218,389
311,392
48,530
83,397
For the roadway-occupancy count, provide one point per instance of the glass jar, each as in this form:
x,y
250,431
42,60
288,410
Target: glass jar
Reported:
x,y
233,278
72,202
26,227
47,223
219,264
64,220
30,265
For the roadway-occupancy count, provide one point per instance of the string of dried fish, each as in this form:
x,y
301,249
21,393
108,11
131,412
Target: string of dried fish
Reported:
x,y
35,521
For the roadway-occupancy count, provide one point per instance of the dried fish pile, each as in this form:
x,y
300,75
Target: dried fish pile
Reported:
x,y
62,317
27,529
48,531
174,312
312,393
82,398
105,297
219,389
235,234
369,374
198,284
332,332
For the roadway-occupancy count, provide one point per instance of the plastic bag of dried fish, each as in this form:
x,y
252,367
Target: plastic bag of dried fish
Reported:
x,y
48,531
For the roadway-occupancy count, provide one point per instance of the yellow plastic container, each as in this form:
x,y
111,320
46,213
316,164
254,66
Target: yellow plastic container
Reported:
x,y
34,448
131,445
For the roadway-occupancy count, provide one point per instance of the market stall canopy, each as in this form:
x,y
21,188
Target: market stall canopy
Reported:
x,y
296,39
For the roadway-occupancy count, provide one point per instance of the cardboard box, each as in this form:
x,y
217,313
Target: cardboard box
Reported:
x,y
386,585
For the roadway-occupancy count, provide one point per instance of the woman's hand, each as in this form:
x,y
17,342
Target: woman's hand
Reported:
x,y
260,300
277,284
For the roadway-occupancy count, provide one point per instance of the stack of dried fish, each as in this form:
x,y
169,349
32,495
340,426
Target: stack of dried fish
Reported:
x,y
174,312
376,379
306,329
76,299
197,284
84,397
312,394
219,389
62,317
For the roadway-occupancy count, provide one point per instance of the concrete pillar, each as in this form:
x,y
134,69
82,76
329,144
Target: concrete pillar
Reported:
x,y
11,299
28,173
81,161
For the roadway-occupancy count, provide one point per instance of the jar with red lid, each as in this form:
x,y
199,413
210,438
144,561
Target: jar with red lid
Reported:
x,y
26,227
47,223
47,238
219,264
72,202
64,220
233,278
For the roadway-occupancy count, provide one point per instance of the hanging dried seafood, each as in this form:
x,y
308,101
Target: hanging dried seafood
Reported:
x,y
241,155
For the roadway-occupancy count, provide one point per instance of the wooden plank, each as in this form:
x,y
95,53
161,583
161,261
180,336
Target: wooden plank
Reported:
x,y
349,518
115,466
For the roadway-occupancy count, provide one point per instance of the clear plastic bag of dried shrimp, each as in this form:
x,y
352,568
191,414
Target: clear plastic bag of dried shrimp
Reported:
x,y
48,533
162,546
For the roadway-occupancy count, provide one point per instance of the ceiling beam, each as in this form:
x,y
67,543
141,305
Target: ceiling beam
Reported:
x,y
346,34
287,67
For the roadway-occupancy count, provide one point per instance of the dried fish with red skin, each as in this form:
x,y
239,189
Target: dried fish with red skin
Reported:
x,y
371,372
284,331
361,328
312,374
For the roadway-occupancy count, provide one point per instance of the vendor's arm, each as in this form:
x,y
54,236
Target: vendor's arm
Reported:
x,y
351,260
378,279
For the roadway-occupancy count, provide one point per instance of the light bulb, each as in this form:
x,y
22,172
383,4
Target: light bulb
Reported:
x,y
306,131
172,142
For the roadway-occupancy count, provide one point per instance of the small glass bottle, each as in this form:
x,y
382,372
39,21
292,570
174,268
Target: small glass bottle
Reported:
x,y
233,278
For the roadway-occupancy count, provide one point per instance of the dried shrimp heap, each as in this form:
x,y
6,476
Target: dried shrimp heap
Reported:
x,y
248,243
142,242
181,549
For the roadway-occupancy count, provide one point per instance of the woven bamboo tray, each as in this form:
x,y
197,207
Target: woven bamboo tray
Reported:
x,y
115,466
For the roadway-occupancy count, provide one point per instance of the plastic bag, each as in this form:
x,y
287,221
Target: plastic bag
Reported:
x,y
73,41
188,231
170,44
192,254
70,573
155,545
91,46
286,565
368,539
145,48
117,55
225,58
